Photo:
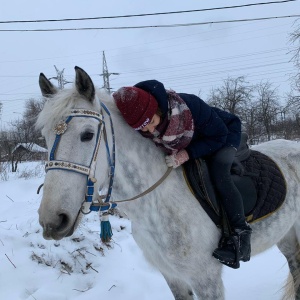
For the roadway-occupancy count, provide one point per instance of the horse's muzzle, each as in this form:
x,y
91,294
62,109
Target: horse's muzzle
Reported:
x,y
62,227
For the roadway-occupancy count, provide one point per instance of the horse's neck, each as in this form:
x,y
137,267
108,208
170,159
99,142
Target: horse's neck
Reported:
x,y
139,163
137,160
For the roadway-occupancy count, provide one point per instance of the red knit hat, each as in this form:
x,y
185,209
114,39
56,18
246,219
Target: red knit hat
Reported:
x,y
136,106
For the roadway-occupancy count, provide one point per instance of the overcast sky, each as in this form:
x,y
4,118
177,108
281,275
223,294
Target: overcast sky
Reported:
x,y
190,59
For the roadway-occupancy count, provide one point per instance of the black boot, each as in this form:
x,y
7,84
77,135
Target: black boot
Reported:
x,y
235,248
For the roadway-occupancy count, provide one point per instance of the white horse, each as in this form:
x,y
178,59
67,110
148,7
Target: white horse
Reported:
x,y
174,232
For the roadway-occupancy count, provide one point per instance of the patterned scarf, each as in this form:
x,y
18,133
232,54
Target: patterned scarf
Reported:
x,y
175,131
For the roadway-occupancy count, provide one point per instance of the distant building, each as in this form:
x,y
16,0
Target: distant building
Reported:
x,y
30,152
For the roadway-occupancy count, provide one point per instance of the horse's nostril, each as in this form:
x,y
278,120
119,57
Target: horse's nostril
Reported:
x,y
57,227
64,221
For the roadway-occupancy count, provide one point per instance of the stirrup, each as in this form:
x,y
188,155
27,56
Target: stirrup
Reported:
x,y
235,264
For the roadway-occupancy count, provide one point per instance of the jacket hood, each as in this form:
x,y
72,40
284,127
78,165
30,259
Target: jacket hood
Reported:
x,y
158,91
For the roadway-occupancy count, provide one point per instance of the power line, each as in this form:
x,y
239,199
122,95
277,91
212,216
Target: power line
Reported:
x,y
193,81
226,58
149,42
151,26
146,15
209,72
201,62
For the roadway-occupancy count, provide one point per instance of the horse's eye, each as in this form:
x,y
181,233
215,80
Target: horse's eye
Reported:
x,y
87,136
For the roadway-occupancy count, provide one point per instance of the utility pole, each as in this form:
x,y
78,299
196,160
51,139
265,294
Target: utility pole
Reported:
x,y
105,74
60,78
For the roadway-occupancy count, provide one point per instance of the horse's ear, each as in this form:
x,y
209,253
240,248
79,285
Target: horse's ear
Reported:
x,y
84,84
47,88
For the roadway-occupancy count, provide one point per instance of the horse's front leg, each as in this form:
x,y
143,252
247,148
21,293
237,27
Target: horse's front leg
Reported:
x,y
206,285
208,289
180,289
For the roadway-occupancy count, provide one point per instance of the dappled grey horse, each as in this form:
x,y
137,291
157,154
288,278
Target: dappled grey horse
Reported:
x,y
168,224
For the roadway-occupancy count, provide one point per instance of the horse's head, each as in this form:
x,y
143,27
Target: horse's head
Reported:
x,y
72,125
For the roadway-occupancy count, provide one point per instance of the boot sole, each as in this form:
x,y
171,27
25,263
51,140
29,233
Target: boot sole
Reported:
x,y
231,264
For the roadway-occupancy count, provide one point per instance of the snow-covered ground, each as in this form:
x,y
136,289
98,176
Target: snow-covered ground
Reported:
x,y
81,268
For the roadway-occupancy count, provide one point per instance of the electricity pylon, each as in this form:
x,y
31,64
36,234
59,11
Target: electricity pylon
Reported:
x,y
60,78
106,74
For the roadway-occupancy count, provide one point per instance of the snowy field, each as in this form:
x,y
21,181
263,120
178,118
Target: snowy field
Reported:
x,y
81,268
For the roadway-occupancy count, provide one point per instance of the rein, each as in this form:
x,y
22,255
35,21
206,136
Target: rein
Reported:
x,y
150,189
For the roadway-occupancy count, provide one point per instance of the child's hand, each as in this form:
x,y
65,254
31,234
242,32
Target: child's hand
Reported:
x,y
175,160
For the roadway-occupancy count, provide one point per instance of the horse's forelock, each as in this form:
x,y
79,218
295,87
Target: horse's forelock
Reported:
x,y
58,106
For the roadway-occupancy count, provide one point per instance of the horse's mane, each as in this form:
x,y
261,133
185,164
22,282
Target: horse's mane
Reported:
x,y
108,100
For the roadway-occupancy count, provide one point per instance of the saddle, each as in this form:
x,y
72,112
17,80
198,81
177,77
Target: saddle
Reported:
x,y
257,177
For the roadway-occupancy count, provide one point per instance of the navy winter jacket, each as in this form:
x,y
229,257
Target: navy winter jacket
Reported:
x,y
214,128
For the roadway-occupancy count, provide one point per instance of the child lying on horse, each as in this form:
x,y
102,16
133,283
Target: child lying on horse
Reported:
x,y
185,127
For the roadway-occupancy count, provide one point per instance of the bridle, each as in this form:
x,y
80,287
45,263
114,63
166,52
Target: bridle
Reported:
x,y
88,171
102,203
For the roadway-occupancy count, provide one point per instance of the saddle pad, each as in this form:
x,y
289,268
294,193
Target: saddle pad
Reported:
x,y
267,178
269,183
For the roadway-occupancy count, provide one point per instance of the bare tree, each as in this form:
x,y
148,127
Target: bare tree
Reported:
x,y
295,40
23,132
292,115
251,122
268,106
232,96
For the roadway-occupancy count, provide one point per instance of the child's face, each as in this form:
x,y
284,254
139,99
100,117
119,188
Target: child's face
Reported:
x,y
152,125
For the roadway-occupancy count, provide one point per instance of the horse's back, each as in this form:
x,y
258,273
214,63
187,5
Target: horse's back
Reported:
x,y
279,148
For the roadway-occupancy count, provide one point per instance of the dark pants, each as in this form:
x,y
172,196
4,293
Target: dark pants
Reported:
x,y
229,195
